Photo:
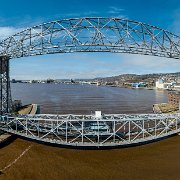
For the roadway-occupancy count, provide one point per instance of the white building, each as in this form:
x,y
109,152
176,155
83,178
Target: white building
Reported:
x,y
160,84
177,86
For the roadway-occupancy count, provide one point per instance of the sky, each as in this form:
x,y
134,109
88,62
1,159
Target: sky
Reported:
x,y
18,15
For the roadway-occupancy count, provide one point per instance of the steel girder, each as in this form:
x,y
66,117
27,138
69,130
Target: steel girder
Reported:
x,y
5,100
92,35
89,131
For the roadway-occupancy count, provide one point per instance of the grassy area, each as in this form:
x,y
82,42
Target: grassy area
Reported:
x,y
158,160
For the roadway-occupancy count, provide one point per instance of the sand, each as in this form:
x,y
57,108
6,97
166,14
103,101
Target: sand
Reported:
x,y
159,160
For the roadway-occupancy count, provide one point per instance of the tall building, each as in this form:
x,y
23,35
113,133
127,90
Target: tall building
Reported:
x,y
174,97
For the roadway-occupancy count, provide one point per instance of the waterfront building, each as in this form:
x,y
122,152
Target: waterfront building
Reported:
x,y
160,84
174,97
177,86
138,85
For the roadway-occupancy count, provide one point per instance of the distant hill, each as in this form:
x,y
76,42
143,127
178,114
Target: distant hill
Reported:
x,y
147,78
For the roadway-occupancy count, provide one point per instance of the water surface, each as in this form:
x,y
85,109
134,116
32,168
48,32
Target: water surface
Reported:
x,y
77,99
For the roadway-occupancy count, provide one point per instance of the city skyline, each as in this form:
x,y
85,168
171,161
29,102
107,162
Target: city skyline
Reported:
x,y
88,65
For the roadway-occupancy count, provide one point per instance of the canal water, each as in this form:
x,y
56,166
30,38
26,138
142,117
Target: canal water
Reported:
x,y
85,99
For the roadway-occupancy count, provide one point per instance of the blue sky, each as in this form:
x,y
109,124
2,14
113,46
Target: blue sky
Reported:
x,y
17,15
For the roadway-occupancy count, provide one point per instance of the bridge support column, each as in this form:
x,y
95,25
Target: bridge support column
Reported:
x,y
5,91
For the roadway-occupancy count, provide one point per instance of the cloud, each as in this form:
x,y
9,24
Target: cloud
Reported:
x,y
115,10
77,14
21,24
89,65
6,32
112,10
142,64
29,21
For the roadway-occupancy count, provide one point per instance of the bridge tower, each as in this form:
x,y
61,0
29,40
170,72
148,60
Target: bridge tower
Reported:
x,y
5,91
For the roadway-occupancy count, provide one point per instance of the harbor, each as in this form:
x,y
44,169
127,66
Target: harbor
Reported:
x,y
162,158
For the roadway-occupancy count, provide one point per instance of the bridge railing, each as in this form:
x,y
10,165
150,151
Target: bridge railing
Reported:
x,y
79,130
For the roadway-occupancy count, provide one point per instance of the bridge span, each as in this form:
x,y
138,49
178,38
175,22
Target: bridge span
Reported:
x,y
109,130
88,34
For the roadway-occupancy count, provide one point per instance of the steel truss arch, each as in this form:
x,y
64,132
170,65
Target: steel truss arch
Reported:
x,y
110,130
92,34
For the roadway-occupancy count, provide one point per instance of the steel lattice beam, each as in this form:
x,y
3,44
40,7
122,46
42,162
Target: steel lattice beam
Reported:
x,y
89,131
87,35
5,100
92,35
